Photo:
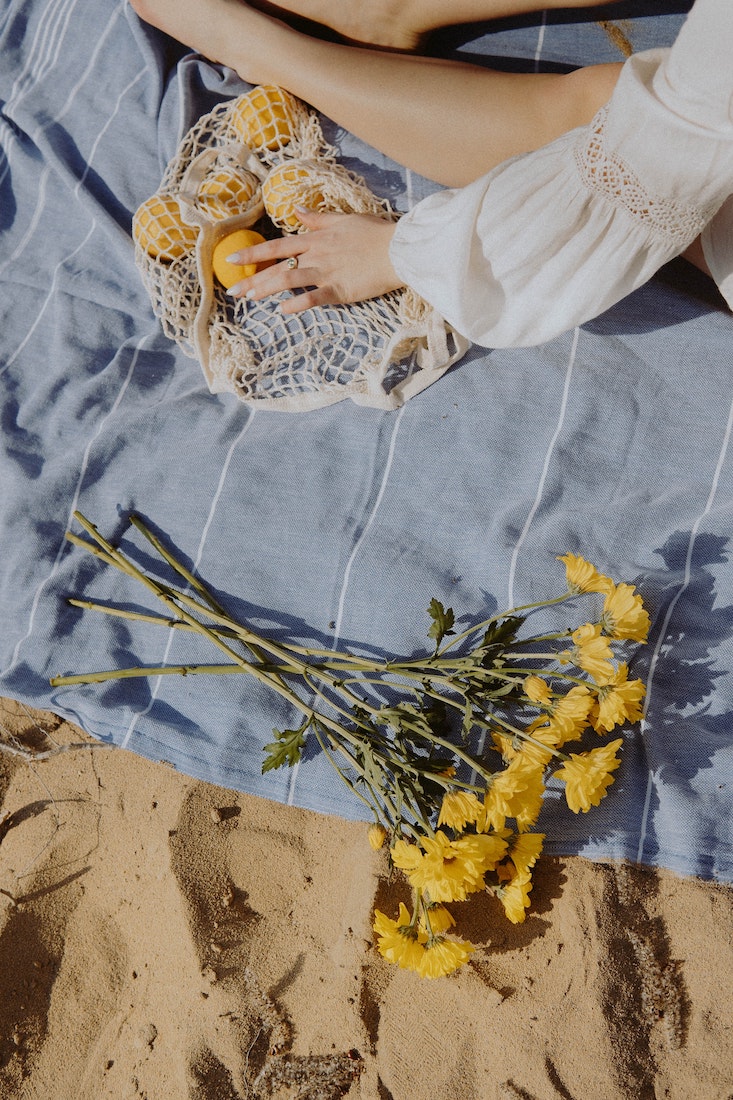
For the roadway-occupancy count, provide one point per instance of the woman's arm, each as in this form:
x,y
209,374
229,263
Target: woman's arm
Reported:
x,y
449,121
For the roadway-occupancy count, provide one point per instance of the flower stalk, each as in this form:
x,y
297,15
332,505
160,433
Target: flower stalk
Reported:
x,y
443,749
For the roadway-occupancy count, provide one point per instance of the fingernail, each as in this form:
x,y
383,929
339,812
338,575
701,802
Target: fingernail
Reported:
x,y
233,259
236,289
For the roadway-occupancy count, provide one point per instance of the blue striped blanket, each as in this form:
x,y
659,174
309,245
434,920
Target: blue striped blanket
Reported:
x,y
338,526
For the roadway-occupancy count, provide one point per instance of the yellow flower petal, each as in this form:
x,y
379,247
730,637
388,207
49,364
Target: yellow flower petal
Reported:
x,y
376,836
569,716
624,615
515,896
458,808
525,851
440,918
591,652
582,576
405,856
587,776
396,941
516,792
449,870
443,956
538,690
619,701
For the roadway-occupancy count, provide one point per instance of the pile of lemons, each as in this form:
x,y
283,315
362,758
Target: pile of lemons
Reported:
x,y
263,120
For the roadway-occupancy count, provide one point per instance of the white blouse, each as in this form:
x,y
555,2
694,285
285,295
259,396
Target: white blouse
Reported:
x,y
552,238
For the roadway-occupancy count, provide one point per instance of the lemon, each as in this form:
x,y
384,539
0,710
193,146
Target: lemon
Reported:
x,y
229,274
159,229
225,192
264,117
289,185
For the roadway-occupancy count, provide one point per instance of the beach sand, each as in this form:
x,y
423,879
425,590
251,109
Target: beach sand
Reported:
x,y
165,939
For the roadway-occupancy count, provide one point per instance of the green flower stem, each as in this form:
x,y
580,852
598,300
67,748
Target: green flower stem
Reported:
x,y
535,656
137,671
453,681
375,808
175,564
388,807
547,637
118,559
96,551
475,765
139,616
555,674
388,762
349,659
456,639
418,904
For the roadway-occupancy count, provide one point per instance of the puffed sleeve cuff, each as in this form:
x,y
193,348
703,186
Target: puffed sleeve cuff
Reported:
x,y
551,239
528,251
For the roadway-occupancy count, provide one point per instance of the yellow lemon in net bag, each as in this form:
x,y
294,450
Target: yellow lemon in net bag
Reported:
x,y
229,274
289,185
159,229
225,192
264,117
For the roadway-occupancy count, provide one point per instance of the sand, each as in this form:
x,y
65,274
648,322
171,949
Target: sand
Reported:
x,y
165,939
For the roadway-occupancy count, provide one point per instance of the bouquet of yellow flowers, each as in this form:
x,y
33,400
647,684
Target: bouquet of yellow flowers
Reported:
x,y
453,766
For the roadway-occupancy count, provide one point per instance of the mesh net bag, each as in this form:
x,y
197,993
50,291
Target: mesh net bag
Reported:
x,y
246,165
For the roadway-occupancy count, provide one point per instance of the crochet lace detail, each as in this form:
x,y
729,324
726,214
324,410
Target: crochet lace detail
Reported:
x,y
608,175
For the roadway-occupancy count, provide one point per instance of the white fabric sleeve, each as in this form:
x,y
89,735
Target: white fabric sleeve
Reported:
x,y
717,247
551,239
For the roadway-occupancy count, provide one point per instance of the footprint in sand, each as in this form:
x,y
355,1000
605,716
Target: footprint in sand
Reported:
x,y
243,1050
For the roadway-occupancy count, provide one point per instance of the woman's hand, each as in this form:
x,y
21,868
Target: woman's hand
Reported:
x,y
342,258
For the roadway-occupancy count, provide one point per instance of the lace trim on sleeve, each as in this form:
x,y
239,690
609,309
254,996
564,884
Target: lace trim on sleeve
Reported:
x,y
607,175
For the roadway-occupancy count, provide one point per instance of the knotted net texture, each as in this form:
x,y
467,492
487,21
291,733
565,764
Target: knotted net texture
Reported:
x,y
247,164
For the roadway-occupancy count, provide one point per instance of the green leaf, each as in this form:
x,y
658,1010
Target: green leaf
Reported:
x,y
287,748
443,620
500,636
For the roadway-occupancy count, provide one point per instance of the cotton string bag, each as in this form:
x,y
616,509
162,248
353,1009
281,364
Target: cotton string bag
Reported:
x,y
248,164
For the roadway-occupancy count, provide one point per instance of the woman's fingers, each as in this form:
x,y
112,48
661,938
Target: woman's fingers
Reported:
x,y
342,258
273,280
279,248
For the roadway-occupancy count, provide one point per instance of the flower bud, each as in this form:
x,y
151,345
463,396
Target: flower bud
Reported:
x,y
377,835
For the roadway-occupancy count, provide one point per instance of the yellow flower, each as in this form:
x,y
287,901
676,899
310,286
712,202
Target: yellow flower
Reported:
x,y
568,717
538,690
582,576
515,896
516,792
526,815
405,856
587,776
624,615
525,851
429,956
537,752
458,808
440,919
506,744
397,941
619,701
376,836
449,870
442,956
591,652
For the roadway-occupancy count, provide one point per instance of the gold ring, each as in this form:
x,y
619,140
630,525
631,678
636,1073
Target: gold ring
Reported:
x,y
291,263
